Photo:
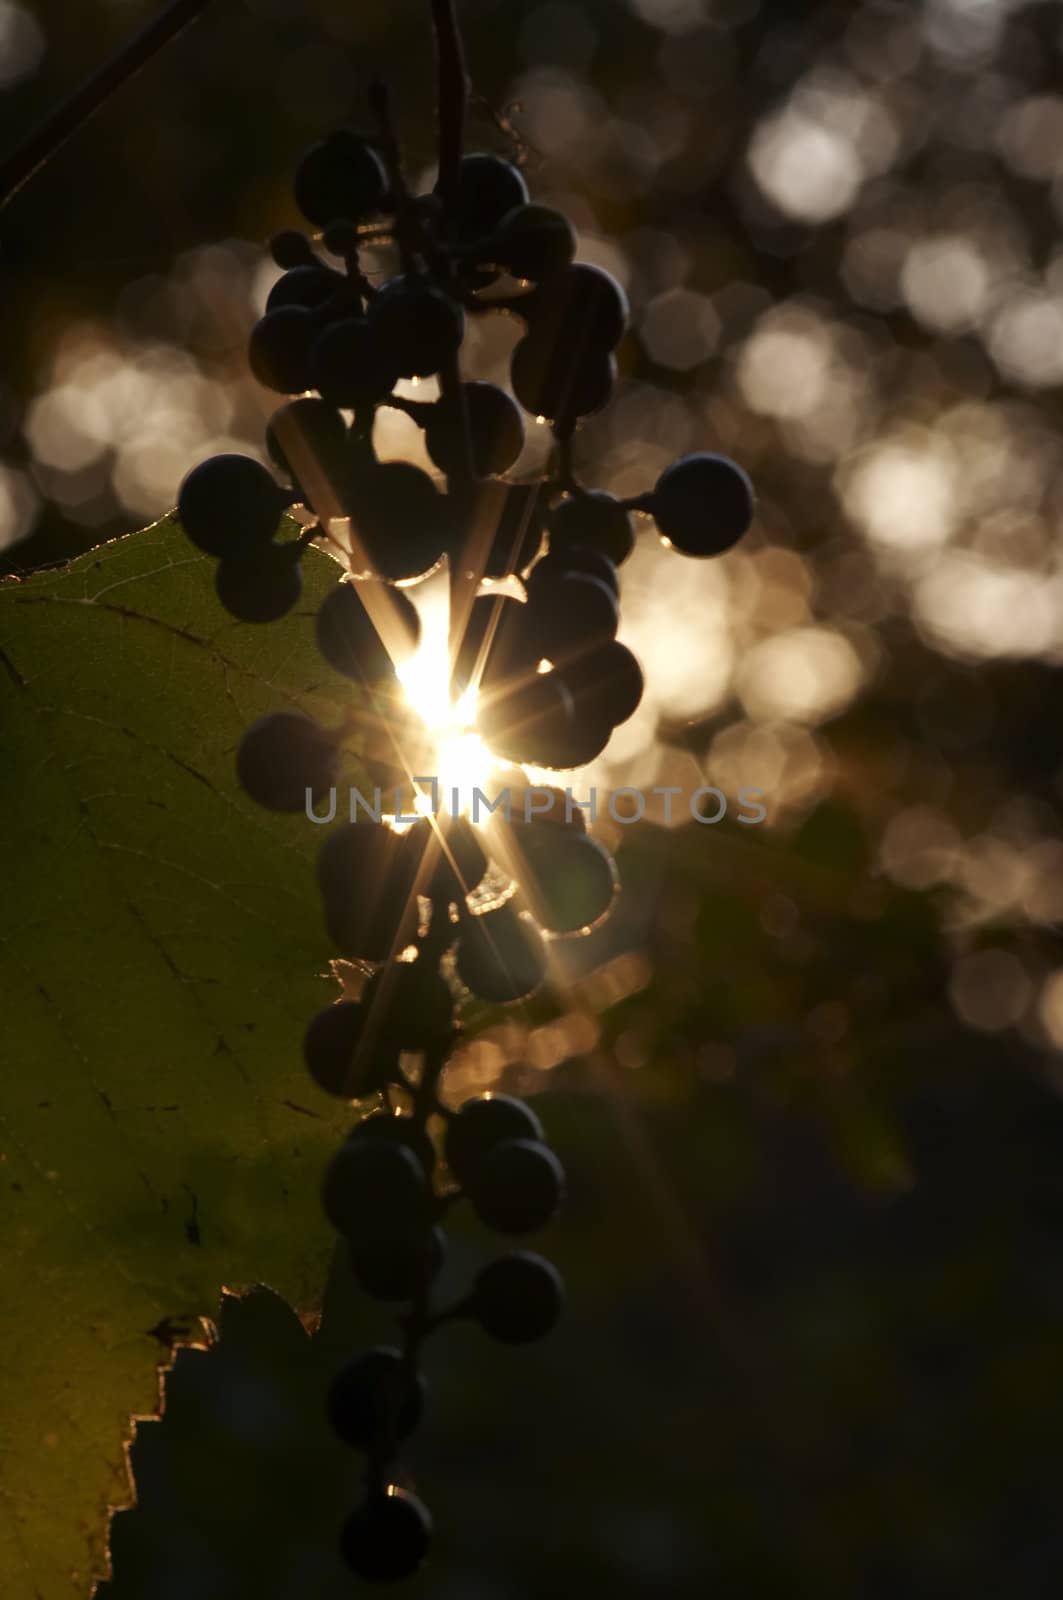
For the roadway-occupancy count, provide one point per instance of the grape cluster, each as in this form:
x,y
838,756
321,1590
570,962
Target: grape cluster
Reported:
x,y
553,682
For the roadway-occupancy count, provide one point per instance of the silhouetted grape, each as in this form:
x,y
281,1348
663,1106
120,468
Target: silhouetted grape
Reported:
x,y
507,518
496,646
373,1395
283,755
409,1006
404,1131
574,558
518,1298
419,325
337,1055
570,881
523,720
532,242
518,1188
348,638
500,955
310,285
307,439
398,1269
261,587
480,1126
449,858
387,1539
702,504
350,365
488,188
376,1188
582,309
279,349
571,613
496,431
230,505
366,887
291,248
341,177
606,683
558,381
401,518
594,520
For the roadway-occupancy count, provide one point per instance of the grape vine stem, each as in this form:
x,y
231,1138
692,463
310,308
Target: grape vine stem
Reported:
x,y
51,134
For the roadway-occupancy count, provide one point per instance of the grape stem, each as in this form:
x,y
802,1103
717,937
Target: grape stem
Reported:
x,y
453,90
51,134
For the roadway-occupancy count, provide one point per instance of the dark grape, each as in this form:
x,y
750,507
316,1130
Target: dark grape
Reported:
x,y
532,242
409,1006
291,248
376,1188
398,1269
387,1539
489,187
573,558
307,439
339,1058
279,349
523,720
606,683
570,881
592,520
575,744
261,587
496,646
496,431
500,955
560,382
518,1188
309,285
518,1298
341,177
366,886
571,613
403,1131
480,1125
402,519
230,505
283,755
420,326
347,633
582,309
702,504
350,365
372,1395
449,858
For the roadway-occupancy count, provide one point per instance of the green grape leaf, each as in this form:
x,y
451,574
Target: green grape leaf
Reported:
x,y
161,949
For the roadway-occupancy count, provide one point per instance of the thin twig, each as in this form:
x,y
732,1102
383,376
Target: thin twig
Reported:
x,y
58,127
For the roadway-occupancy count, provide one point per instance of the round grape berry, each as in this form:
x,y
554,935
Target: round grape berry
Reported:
x,y
398,1269
291,248
365,882
575,558
336,1054
518,1188
374,1395
376,1187
496,647
283,755
569,881
560,382
387,1539
449,858
489,187
419,325
571,613
262,587
702,504
402,519
279,349
518,1298
606,683
582,309
341,177
404,1131
500,955
496,432
230,505
480,1126
522,720
532,242
349,639
409,1006
309,285
350,365
307,439
593,520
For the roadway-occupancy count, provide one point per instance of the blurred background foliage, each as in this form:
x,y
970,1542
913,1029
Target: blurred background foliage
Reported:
x,y
806,1081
